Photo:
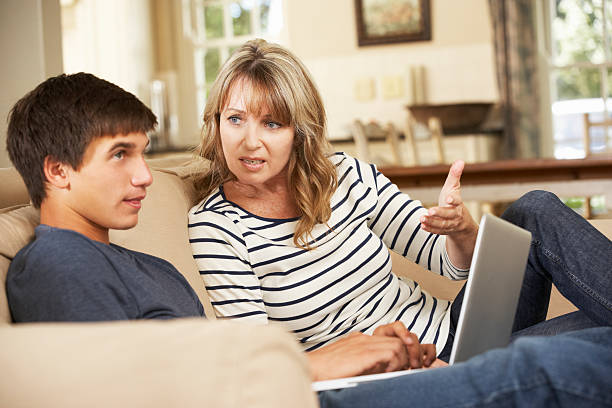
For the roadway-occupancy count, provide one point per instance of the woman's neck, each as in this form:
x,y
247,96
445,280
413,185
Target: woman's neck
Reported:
x,y
269,201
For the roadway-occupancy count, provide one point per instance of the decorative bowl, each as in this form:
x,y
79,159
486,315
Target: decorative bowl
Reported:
x,y
457,116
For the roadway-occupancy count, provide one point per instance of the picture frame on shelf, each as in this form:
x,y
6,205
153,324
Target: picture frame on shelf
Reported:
x,y
392,21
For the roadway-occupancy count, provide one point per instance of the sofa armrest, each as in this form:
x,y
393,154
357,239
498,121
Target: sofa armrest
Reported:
x,y
182,363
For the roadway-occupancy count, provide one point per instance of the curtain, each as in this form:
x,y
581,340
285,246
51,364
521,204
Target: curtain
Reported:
x,y
515,56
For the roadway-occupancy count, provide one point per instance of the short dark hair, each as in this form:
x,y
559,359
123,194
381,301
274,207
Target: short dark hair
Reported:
x,y
61,117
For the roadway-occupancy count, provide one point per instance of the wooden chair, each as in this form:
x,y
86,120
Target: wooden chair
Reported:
x,y
435,131
435,128
361,140
397,146
409,127
588,125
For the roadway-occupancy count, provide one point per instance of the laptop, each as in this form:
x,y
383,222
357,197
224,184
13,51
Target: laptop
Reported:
x,y
490,300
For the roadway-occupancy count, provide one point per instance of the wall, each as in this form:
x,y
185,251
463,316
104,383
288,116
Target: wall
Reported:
x,y
36,55
111,39
114,40
458,60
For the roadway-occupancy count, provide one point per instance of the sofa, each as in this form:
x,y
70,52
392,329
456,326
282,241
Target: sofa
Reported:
x,y
185,362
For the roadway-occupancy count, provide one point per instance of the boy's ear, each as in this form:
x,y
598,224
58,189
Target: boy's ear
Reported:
x,y
56,172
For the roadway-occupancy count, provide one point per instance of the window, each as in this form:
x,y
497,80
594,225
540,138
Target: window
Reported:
x,y
218,27
580,66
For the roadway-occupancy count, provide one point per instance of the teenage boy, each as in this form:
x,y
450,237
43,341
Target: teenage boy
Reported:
x,y
78,142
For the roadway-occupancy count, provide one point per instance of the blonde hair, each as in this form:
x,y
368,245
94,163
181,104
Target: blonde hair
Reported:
x,y
281,83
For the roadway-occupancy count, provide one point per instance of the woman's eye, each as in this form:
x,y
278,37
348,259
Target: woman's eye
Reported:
x,y
273,125
119,154
234,120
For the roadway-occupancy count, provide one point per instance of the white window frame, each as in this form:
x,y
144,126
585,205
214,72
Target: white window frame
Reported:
x,y
194,29
544,15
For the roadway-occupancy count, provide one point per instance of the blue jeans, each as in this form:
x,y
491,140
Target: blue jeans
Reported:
x,y
565,250
569,370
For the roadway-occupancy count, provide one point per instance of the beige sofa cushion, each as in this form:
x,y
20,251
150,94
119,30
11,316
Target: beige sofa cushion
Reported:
x,y
17,225
178,363
14,191
16,231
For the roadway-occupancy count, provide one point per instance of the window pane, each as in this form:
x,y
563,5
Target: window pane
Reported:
x,y
598,205
609,140
201,102
597,133
578,204
212,63
213,20
608,5
578,98
264,15
271,16
576,83
199,66
578,31
241,17
567,150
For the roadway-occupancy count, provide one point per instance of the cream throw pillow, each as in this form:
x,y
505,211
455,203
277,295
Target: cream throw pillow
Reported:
x,y
16,231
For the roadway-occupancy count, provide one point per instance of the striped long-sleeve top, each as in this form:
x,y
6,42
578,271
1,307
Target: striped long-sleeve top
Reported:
x,y
253,271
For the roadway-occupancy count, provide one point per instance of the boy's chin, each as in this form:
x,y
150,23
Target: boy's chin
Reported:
x,y
125,225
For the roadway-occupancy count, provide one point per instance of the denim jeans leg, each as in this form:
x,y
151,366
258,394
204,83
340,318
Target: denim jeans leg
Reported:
x,y
569,370
567,251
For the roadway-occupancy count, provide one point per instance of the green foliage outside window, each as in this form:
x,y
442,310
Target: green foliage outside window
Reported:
x,y
241,18
574,83
213,20
578,37
212,63
220,40
598,204
264,13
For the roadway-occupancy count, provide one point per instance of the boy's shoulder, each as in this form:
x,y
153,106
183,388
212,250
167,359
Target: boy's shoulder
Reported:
x,y
55,247
59,246
54,242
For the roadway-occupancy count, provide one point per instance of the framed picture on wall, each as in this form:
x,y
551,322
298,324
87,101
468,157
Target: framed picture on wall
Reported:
x,y
392,21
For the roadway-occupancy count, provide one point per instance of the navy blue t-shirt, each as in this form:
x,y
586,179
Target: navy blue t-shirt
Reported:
x,y
65,276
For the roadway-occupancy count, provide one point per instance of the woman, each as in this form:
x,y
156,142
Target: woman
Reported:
x,y
288,233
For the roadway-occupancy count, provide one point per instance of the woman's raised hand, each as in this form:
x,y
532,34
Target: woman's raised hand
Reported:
x,y
452,218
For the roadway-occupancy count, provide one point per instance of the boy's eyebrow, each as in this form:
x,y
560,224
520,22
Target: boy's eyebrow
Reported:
x,y
125,145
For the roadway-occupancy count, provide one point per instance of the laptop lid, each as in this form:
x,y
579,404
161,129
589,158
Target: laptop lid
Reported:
x,y
492,289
